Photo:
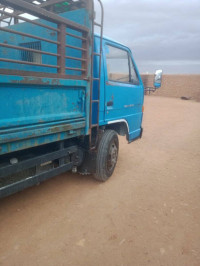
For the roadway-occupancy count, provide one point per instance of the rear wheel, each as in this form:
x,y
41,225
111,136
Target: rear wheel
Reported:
x,y
107,155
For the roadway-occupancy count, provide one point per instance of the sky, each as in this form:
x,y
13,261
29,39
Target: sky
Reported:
x,y
162,34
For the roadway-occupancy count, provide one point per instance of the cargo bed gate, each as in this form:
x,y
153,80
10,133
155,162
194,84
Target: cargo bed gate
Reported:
x,y
60,28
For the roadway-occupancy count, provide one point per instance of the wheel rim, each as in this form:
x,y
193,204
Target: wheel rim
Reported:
x,y
112,156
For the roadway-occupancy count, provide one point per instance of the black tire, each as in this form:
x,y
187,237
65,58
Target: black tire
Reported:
x,y
107,155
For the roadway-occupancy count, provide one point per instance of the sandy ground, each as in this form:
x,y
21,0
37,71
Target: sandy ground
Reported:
x,y
148,213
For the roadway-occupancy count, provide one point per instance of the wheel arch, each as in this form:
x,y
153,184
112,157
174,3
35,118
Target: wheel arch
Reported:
x,y
120,126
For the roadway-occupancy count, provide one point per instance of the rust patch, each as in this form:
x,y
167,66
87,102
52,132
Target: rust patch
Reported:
x,y
55,82
30,80
62,128
36,81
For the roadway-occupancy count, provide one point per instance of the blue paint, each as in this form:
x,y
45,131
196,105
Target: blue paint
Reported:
x,y
157,85
127,98
36,111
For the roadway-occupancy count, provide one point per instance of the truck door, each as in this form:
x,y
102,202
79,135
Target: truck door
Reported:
x,y
124,92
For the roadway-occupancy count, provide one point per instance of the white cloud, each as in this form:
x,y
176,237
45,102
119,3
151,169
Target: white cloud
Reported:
x,y
156,30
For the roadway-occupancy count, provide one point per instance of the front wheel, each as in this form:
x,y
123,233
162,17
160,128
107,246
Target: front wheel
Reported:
x,y
107,155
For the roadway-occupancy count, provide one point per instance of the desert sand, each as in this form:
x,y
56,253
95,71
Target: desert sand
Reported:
x,y
148,213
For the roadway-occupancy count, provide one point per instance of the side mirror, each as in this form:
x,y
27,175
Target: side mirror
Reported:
x,y
158,79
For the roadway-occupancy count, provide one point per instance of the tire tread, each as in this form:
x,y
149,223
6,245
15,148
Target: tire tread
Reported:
x,y
100,174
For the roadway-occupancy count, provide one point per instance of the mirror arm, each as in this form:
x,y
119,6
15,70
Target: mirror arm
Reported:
x,y
149,89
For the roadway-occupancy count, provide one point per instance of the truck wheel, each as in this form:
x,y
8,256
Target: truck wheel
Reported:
x,y
107,155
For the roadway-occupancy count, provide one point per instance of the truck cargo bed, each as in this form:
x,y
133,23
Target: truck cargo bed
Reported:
x,y
44,69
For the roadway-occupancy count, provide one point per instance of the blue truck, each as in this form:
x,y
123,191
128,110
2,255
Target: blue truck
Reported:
x,y
65,93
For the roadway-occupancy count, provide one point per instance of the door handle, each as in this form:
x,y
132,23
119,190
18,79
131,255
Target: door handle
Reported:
x,y
110,103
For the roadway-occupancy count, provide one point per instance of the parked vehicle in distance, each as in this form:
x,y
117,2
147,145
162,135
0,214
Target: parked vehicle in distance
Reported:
x,y
65,93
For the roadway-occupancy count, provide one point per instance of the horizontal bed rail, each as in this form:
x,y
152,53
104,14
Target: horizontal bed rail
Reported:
x,y
52,45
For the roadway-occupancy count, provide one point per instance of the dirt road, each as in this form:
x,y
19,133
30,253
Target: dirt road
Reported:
x,y
148,213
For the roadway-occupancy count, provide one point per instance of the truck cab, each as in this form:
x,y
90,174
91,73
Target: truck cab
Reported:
x,y
122,91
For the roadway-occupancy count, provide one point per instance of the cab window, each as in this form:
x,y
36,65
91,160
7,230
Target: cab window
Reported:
x,y
120,67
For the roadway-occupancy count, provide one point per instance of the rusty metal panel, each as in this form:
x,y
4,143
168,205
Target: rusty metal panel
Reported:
x,y
45,91
40,114
42,13
53,30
